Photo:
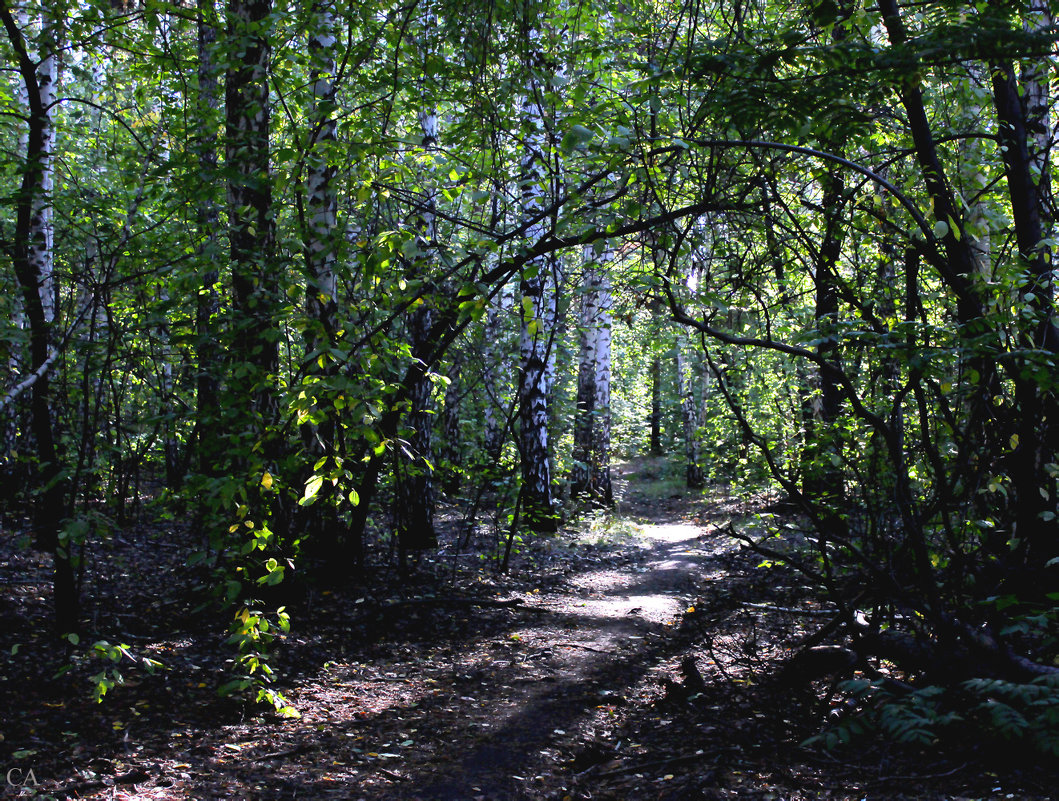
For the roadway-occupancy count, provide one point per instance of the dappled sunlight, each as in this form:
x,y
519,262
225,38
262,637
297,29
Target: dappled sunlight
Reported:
x,y
670,532
657,608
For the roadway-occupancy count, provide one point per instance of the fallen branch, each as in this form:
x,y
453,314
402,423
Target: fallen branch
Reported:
x,y
397,777
888,780
662,763
792,610
284,753
585,648
488,602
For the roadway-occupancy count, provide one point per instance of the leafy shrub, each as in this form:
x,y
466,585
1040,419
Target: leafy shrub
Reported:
x,y
1026,714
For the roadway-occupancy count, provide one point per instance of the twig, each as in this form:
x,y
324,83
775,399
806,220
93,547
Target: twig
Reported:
x,y
584,647
285,753
491,602
661,763
920,778
792,610
375,680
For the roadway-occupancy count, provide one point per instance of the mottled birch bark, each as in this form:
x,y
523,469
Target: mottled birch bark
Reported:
x,y
42,229
320,240
321,197
539,302
254,354
591,471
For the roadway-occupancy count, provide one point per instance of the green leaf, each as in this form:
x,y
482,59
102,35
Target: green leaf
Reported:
x,y
312,489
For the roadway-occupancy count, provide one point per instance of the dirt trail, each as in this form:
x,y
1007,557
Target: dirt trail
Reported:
x,y
420,687
603,631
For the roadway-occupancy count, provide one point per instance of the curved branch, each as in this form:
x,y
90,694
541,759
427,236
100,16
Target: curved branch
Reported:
x,y
823,155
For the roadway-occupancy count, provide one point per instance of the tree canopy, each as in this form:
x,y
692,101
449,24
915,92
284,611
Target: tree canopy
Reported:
x,y
295,272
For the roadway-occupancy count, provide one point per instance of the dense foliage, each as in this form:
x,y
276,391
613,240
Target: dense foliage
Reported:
x,y
293,271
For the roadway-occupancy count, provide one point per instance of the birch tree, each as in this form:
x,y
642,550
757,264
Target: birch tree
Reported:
x,y
539,286
31,255
591,470
321,242
254,354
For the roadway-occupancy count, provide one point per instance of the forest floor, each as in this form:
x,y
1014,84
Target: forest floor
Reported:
x,y
634,656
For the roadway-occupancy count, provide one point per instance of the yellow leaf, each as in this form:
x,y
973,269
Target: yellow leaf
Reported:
x,y
1014,441
266,481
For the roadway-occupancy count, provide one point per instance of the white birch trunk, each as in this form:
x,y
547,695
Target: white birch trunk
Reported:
x,y
1036,94
320,239
972,171
539,306
321,198
591,474
42,226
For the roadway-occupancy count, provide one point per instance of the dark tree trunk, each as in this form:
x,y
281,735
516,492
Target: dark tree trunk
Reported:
x,y
1037,427
415,478
655,444
251,403
50,506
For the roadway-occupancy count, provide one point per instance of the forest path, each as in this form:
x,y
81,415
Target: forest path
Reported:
x,y
638,664
605,635
424,687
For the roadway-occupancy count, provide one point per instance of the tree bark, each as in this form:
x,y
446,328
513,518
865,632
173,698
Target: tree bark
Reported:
x,y
1037,427
689,413
539,300
655,421
591,471
31,257
415,478
207,307
321,285
251,402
